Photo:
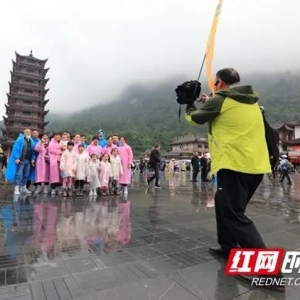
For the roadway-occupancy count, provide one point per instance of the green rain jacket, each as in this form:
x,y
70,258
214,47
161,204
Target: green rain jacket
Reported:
x,y
236,133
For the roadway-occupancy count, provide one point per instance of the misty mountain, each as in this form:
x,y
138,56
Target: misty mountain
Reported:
x,y
149,114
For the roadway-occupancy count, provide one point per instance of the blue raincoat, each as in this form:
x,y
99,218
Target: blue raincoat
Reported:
x,y
102,141
16,153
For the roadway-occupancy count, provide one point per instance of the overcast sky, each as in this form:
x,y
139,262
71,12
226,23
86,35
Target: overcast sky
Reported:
x,y
96,48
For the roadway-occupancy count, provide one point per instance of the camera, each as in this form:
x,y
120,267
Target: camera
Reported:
x,y
188,92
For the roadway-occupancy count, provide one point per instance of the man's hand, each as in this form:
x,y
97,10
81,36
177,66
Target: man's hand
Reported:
x,y
204,98
32,162
17,161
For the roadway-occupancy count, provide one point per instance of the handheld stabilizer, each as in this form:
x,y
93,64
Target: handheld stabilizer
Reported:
x,y
188,92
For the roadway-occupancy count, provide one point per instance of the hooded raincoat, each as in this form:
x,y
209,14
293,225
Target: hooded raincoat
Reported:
x,y
236,133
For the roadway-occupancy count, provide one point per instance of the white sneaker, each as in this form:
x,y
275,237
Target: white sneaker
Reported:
x,y
38,190
125,191
91,192
53,192
17,190
24,190
95,193
46,190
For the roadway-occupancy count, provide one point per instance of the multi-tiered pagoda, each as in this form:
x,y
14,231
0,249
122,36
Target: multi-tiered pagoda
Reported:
x,y
26,103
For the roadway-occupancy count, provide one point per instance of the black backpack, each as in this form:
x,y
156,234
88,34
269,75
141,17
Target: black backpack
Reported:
x,y
272,138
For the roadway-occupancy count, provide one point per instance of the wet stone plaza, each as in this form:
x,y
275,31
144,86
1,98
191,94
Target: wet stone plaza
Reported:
x,y
151,246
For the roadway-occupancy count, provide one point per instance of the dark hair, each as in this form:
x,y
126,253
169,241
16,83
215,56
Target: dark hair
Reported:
x,y
70,144
156,145
95,138
229,76
109,137
83,135
80,146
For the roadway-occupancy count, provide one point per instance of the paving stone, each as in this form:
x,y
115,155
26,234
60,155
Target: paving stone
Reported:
x,y
144,252
167,235
187,258
80,264
160,288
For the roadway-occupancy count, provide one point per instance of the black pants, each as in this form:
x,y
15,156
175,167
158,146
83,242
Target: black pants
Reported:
x,y
286,175
203,174
79,184
195,173
234,192
156,174
29,184
55,185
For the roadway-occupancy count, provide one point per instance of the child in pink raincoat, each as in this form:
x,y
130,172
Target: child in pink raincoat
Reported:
x,y
126,156
105,174
68,166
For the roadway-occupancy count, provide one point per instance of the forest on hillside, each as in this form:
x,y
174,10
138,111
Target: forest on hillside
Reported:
x,y
149,114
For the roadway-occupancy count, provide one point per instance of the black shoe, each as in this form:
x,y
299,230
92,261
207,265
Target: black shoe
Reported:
x,y
219,252
157,187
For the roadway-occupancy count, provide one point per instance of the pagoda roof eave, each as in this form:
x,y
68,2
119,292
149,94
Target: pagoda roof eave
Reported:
x,y
31,57
32,87
26,97
28,75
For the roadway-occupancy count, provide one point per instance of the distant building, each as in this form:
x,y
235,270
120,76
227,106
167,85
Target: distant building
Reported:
x,y
26,102
289,134
185,146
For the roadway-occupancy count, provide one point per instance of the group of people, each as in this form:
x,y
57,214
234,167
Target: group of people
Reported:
x,y
63,164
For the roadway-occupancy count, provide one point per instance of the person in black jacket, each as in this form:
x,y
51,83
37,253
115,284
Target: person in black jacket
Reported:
x,y
154,162
204,165
195,161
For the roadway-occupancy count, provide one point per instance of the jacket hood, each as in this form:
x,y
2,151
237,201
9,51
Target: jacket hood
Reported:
x,y
104,133
243,93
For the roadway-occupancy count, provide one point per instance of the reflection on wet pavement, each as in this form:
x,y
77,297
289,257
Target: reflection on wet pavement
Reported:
x,y
154,243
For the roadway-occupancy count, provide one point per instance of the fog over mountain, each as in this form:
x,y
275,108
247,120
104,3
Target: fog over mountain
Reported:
x,y
97,48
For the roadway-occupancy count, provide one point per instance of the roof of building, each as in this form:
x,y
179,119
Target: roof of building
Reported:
x,y
292,142
31,57
286,125
188,139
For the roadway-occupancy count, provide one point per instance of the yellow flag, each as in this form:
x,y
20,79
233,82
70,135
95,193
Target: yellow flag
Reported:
x,y
210,48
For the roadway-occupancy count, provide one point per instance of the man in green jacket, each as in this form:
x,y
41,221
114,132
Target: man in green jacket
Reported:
x,y
239,157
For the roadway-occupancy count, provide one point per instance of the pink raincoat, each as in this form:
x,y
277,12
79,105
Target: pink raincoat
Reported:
x,y
94,149
126,156
76,145
54,155
108,148
105,173
41,166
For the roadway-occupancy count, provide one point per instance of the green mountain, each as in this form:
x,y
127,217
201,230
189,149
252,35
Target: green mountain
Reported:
x,y
146,114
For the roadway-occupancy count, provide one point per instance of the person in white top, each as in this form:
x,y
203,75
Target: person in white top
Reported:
x,y
117,170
